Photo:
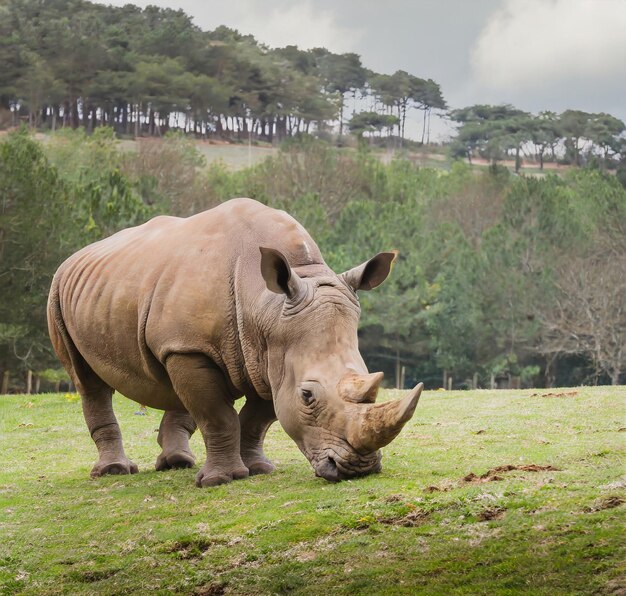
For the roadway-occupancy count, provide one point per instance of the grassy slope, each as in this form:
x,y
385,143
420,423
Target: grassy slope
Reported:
x,y
536,532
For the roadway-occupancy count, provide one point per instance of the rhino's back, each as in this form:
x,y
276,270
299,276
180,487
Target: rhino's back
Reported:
x,y
168,286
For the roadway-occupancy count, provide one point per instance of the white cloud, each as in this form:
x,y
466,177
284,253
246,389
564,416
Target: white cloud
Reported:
x,y
540,45
293,23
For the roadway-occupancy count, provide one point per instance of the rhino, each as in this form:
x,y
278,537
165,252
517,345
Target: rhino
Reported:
x,y
187,315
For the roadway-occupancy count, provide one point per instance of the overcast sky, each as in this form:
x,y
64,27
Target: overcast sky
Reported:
x,y
534,54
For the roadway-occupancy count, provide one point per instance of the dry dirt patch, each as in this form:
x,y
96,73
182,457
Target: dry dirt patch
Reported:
x,y
494,474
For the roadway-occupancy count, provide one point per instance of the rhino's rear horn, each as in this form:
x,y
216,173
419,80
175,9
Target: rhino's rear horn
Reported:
x,y
360,388
375,425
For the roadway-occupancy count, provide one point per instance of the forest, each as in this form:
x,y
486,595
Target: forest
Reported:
x,y
501,280
144,72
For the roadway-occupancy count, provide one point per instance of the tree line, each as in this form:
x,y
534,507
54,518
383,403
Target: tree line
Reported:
x,y
501,280
142,72
495,132
71,63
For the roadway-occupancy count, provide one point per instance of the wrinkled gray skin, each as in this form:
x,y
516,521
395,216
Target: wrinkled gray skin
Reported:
x,y
188,315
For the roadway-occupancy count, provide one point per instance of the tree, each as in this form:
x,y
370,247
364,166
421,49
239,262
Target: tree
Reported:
x,y
574,127
32,212
588,313
544,133
426,95
371,122
605,132
491,130
341,73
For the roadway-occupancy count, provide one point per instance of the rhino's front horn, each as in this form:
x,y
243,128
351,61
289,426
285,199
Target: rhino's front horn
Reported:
x,y
375,425
360,389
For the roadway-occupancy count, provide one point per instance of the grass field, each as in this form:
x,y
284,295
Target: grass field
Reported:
x,y
484,492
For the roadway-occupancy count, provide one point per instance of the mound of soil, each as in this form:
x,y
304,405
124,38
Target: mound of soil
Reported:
x,y
493,474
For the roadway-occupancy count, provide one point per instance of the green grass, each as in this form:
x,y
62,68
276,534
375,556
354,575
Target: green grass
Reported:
x,y
417,528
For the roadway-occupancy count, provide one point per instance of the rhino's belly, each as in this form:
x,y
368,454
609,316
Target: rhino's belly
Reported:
x,y
135,385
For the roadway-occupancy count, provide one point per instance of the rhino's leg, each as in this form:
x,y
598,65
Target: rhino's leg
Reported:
x,y
96,397
255,418
174,433
105,431
203,390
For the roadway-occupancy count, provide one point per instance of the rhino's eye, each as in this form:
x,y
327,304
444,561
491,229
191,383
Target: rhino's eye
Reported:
x,y
307,396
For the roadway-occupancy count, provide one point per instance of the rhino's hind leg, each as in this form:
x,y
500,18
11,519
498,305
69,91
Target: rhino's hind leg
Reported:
x,y
174,433
203,390
255,418
96,397
105,432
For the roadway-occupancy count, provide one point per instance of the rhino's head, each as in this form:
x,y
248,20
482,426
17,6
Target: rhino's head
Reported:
x,y
324,396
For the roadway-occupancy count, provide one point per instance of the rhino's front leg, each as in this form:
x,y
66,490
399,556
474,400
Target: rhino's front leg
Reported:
x,y
203,390
255,418
174,433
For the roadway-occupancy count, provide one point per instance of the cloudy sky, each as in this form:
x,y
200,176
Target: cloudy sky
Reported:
x,y
534,54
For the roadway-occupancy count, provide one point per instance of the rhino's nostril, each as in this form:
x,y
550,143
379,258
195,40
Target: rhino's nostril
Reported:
x,y
328,470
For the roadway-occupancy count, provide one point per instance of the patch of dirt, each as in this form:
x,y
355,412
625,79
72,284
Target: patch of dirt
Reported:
x,y
91,576
490,513
552,394
482,431
493,474
394,499
212,589
433,489
191,548
412,519
606,503
306,556
615,587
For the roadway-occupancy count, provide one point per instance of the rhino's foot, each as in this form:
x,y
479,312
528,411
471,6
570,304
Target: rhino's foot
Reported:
x,y
117,466
175,460
264,466
216,476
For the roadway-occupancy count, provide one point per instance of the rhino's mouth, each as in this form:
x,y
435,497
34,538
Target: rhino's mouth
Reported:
x,y
334,467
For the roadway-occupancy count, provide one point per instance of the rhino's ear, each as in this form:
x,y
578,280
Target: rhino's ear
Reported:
x,y
372,273
278,275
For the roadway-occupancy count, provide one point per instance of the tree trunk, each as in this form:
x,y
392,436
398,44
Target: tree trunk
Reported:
x,y
398,369
5,382
29,382
341,118
518,161
138,116
74,114
151,122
